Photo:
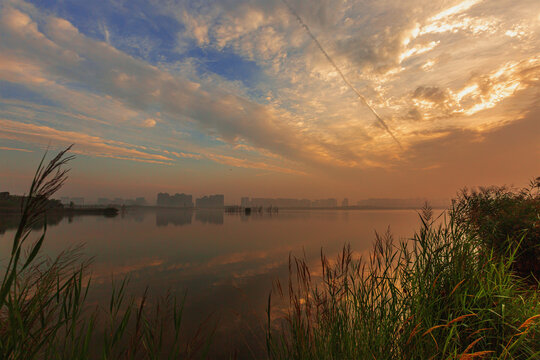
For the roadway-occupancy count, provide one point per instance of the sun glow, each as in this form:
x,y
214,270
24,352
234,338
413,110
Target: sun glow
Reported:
x,y
499,93
459,8
417,50
466,91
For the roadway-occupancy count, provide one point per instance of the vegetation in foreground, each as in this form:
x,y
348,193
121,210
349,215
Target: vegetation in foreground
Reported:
x,y
43,309
502,219
462,288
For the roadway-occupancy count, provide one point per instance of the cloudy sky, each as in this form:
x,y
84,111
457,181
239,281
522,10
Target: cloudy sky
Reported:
x,y
236,96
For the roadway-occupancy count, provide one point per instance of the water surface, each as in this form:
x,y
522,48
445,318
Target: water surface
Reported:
x,y
226,262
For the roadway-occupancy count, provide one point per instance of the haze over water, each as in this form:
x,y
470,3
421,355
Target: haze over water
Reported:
x,y
226,262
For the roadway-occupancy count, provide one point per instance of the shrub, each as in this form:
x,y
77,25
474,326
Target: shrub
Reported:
x,y
502,219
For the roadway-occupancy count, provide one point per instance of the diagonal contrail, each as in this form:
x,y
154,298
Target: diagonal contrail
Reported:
x,y
381,121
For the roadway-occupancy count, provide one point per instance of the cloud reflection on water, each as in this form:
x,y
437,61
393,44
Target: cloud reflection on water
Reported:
x,y
226,263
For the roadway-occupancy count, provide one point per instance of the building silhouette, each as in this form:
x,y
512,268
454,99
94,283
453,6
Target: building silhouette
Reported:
x,y
176,200
211,202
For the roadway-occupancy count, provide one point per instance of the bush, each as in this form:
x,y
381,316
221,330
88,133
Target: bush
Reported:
x,y
502,219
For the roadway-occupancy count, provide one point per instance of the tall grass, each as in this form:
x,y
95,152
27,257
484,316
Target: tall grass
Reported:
x,y
432,297
501,217
43,309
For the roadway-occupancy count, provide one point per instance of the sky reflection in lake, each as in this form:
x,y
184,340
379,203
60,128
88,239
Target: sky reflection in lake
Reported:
x,y
225,262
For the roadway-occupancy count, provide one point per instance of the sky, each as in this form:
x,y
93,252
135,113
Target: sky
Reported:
x,y
271,98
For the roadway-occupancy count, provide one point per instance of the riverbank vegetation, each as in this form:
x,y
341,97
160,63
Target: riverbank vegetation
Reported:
x,y
464,287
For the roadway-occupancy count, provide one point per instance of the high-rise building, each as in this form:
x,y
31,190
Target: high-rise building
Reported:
x,y
211,201
182,200
345,203
163,199
176,200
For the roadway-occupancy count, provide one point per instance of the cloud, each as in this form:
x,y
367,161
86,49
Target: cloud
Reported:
x,y
481,92
149,123
433,94
14,149
196,28
229,160
500,153
456,9
86,144
426,66
137,85
106,33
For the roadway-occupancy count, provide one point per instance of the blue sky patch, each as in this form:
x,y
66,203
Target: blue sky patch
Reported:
x,y
13,91
131,27
138,29
228,65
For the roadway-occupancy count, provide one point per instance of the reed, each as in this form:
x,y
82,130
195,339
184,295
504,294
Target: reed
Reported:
x,y
43,309
439,295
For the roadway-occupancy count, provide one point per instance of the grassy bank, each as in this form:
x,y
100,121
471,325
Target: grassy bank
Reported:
x,y
457,290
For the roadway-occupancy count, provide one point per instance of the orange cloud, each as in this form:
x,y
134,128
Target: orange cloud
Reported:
x,y
244,163
86,144
14,149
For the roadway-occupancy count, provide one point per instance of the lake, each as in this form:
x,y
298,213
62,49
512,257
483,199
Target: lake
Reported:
x,y
226,262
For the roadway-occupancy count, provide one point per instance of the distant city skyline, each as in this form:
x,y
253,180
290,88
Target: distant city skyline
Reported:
x,y
183,200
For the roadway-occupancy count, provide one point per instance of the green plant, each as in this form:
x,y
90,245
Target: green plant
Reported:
x,y
432,297
503,219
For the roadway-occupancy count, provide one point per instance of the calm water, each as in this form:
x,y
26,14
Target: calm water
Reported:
x,y
226,262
